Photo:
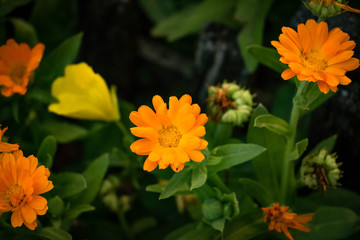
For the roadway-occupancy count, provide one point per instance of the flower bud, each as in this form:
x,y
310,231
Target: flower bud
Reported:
x,y
230,103
319,170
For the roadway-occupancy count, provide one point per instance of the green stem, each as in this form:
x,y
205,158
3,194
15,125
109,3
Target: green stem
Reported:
x,y
321,19
124,224
294,118
215,180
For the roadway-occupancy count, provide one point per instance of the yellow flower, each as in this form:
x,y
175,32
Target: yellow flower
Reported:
x,y
316,55
17,63
21,183
4,146
170,136
83,94
281,220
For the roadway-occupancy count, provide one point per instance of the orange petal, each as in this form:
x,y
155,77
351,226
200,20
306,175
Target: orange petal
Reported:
x,y
142,146
341,57
186,98
28,214
38,202
149,165
196,155
287,74
323,87
157,101
16,219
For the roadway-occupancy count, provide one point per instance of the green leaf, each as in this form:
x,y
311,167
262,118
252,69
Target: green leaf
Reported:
x,y
76,210
201,232
268,165
313,98
142,224
300,148
158,188
67,184
327,143
272,123
8,5
219,224
54,20
192,19
175,235
56,207
245,227
54,64
24,32
330,223
53,233
218,133
234,154
253,14
257,191
267,56
179,182
199,174
47,151
94,175
65,132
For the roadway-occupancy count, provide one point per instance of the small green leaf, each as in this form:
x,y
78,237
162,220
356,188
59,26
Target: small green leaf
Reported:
x,y
56,207
219,224
179,182
193,18
142,224
53,233
267,56
94,175
234,154
65,132
9,5
201,232
68,184
54,64
47,151
24,32
199,174
327,143
272,123
257,191
76,210
300,148
158,188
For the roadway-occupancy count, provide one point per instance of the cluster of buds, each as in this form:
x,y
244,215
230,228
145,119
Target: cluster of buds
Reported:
x,y
319,170
229,103
328,8
110,198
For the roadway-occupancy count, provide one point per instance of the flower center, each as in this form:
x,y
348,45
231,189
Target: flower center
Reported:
x,y
169,136
14,195
17,74
314,61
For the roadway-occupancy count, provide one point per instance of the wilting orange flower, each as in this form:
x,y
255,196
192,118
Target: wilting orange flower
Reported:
x,y
281,220
17,63
339,4
21,183
6,147
316,55
170,136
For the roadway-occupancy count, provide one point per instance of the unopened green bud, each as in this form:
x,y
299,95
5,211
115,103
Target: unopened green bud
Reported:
x,y
212,209
325,9
111,201
334,175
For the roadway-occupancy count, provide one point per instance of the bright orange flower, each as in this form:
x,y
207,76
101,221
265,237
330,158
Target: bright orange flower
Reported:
x,y
21,183
281,220
17,63
6,147
170,136
316,55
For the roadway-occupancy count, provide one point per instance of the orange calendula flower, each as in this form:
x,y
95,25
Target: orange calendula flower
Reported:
x,y
17,63
316,55
6,147
169,136
21,183
281,220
